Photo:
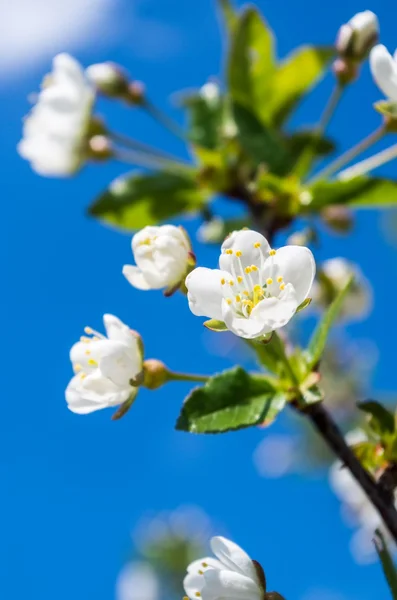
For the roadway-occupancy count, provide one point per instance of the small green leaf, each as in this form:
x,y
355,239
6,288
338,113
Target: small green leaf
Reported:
x,y
205,117
361,192
229,401
382,420
229,14
388,566
251,61
387,108
259,141
295,76
125,407
215,325
320,335
136,200
366,453
304,147
303,305
312,395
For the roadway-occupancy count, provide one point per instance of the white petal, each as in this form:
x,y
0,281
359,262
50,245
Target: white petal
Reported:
x,y
243,241
247,328
193,583
276,312
136,278
233,557
230,585
203,563
384,71
119,365
205,292
87,354
297,266
95,392
118,331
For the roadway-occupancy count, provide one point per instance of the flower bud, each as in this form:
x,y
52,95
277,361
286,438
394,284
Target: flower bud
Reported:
x,y
356,38
108,79
345,71
155,374
136,93
100,148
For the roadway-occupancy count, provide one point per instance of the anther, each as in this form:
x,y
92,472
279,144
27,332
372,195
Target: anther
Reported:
x,y
238,298
269,281
229,251
197,594
84,339
282,286
77,368
246,293
201,572
204,564
87,352
231,282
239,279
88,330
247,270
279,279
92,362
229,301
83,376
254,268
257,245
223,281
239,253
272,252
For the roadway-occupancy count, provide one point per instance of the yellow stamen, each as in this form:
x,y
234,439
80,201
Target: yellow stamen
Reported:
x,y
247,270
272,252
279,279
239,279
87,352
204,564
223,281
77,368
239,253
229,301
229,251
238,298
197,594
257,245
282,286
246,293
185,598
85,340
201,572
92,362
88,330
269,281
231,282
254,268
83,376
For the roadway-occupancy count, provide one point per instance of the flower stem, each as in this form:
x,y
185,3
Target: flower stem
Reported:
x,y
142,159
172,376
137,146
348,156
369,164
329,431
163,119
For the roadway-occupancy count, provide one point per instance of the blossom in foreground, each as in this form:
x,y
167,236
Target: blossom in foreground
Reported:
x,y
231,575
107,368
384,70
257,289
55,132
163,257
358,35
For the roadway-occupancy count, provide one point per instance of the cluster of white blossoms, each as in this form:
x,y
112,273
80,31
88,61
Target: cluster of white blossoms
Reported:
x,y
257,289
231,575
108,369
55,132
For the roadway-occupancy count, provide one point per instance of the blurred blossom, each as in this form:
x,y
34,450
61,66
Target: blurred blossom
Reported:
x,y
137,581
276,455
211,232
332,276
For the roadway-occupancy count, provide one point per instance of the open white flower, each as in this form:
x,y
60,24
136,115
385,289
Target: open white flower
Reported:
x,y
54,133
231,575
384,70
357,36
257,289
107,369
163,256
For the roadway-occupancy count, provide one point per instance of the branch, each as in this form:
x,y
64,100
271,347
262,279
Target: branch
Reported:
x,y
331,434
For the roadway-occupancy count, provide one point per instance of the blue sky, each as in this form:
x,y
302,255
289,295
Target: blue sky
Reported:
x,y
74,487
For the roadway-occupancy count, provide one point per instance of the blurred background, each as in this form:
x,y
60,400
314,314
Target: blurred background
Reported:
x,y
99,509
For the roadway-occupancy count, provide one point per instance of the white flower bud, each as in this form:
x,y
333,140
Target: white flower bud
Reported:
x,y
384,71
163,257
108,79
55,132
358,35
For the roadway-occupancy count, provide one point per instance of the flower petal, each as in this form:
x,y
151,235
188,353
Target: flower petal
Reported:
x,y
297,266
384,71
233,557
205,292
229,584
204,563
244,241
276,312
119,365
136,278
117,331
193,583
95,392
248,328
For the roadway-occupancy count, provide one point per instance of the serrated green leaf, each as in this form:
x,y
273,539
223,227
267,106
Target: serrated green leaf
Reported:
x,y
294,77
388,566
361,192
229,401
251,61
215,325
136,200
319,338
259,141
382,420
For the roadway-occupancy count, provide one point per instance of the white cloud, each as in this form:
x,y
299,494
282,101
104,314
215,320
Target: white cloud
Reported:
x,y
35,30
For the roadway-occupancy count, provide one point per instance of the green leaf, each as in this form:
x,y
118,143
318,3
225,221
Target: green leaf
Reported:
x,y
215,325
229,14
382,420
229,401
294,77
135,200
251,62
303,305
320,335
387,108
259,141
388,566
300,142
363,192
205,117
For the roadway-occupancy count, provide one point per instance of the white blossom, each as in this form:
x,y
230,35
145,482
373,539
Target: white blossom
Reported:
x,y
162,255
257,289
384,70
54,133
107,368
231,575
358,34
